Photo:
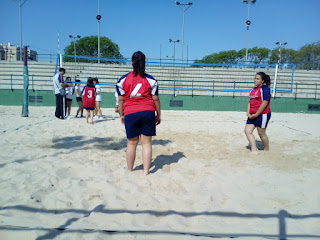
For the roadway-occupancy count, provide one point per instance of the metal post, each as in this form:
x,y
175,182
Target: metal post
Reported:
x,y
74,45
75,52
184,9
20,19
248,22
174,48
98,18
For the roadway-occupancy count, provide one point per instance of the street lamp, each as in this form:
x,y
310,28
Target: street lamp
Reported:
x,y
174,47
185,7
280,44
98,18
74,45
248,22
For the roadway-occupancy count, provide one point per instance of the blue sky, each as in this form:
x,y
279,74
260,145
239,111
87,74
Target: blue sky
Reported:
x,y
211,26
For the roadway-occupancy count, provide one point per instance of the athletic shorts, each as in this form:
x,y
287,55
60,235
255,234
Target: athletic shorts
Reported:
x,y
79,99
140,123
68,99
261,121
89,108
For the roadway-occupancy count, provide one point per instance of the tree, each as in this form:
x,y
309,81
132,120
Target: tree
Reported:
x,y
88,46
224,57
255,55
309,56
287,56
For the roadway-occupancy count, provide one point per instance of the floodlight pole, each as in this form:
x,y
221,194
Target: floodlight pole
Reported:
x,y
74,45
248,22
174,48
184,9
280,44
98,18
20,18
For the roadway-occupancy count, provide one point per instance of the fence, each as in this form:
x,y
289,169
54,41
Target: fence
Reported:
x,y
174,78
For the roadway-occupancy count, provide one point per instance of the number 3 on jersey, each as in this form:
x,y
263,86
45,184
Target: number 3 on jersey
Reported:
x,y
135,91
90,94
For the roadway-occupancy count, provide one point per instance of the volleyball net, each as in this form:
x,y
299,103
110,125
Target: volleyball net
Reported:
x,y
181,78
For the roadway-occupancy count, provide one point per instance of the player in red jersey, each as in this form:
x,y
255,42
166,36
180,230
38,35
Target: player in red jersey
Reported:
x,y
258,111
138,102
89,102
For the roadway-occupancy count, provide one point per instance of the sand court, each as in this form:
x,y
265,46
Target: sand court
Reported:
x,y
68,179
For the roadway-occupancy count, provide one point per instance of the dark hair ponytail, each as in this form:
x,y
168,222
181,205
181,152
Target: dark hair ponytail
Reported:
x,y
139,64
90,82
265,78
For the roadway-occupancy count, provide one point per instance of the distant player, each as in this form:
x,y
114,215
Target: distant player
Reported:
x,y
69,96
98,98
89,96
138,102
79,98
258,111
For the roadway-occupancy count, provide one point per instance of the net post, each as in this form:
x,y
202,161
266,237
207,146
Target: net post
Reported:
x,y
25,110
275,80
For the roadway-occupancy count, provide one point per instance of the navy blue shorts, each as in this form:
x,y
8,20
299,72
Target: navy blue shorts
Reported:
x,y
261,121
89,108
140,123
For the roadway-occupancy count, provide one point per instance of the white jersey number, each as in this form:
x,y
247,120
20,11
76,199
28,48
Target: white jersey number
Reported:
x,y
89,93
135,91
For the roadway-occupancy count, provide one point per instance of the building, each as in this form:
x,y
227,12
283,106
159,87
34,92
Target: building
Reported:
x,y
12,53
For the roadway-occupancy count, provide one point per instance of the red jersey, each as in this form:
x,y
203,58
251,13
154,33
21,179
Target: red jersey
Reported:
x,y
89,96
257,96
137,93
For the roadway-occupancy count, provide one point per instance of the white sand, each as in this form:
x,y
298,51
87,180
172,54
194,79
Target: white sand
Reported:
x,y
72,176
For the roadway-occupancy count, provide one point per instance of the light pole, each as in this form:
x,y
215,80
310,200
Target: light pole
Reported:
x,y
280,44
20,18
74,45
98,18
174,47
248,22
185,7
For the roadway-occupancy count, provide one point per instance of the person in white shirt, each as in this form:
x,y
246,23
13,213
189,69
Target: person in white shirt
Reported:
x,y
98,99
79,98
69,96
59,91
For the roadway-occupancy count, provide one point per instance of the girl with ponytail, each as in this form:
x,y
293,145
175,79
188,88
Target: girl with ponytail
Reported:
x,y
258,111
138,103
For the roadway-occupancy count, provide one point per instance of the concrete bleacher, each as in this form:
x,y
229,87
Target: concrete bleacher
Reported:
x,y
221,79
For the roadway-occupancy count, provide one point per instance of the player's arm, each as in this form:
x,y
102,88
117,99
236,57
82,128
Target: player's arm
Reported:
x,y
120,107
156,100
248,110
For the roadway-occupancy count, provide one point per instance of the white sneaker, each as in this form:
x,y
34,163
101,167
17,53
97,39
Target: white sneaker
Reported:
x,y
68,117
101,118
95,117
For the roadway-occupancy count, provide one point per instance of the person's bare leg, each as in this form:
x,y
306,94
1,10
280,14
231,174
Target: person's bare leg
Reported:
x,y
264,138
146,143
98,104
87,115
249,133
131,151
69,108
91,116
81,106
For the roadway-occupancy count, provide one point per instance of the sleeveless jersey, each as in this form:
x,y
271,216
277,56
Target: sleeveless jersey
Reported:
x,y
257,96
137,93
89,95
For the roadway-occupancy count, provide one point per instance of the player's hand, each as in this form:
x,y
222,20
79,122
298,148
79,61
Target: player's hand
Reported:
x,y
252,116
122,119
158,120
